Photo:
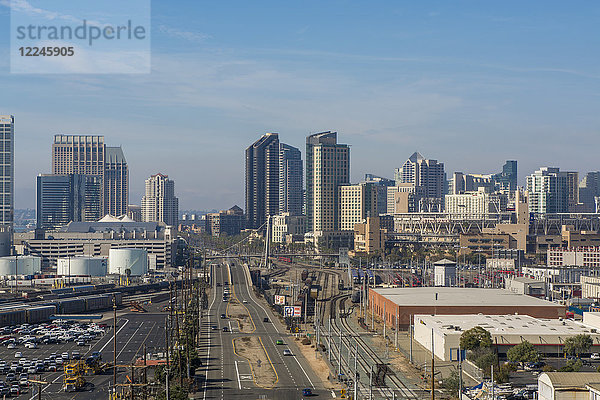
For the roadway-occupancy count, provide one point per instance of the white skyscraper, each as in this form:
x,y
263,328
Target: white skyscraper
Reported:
x,y
548,191
7,182
159,204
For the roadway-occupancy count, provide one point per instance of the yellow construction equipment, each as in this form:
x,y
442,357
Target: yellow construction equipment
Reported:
x,y
73,379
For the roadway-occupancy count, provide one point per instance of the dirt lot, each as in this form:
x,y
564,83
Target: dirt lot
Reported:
x,y
253,351
237,311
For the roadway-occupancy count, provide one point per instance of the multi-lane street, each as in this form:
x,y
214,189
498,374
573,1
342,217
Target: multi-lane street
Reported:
x,y
229,375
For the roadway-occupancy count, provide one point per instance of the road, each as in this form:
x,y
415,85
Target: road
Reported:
x,y
228,375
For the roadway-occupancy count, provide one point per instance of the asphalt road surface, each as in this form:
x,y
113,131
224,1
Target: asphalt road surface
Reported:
x,y
229,376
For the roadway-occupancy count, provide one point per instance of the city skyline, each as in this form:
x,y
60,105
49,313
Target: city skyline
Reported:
x,y
422,78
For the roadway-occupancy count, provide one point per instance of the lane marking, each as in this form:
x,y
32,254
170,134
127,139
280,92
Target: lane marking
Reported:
x,y
132,336
237,371
112,336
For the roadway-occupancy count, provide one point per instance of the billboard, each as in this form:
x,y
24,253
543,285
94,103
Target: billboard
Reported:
x,y
292,311
280,300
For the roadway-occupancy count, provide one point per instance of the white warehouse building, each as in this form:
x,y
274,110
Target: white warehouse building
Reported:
x,y
20,265
547,335
121,260
81,266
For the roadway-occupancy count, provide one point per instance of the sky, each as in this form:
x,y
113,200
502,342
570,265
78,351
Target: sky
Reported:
x,y
468,83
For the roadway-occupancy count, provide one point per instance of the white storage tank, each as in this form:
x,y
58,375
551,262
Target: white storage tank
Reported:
x,y
120,260
20,265
81,266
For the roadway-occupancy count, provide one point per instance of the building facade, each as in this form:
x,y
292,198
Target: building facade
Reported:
x,y
7,177
589,191
225,222
507,179
262,180
88,155
95,239
548,191
419,171
159,204
286,224
290,180
357,202
327,168
475,204
65,198
116,182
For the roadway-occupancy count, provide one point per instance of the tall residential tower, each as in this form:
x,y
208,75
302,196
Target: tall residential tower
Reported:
x,y
159,204
327,168
290,180
262,180
7,172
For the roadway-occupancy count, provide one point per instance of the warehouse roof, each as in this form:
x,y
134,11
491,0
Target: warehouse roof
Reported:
x,y
524,279
520,326
459,297
572,379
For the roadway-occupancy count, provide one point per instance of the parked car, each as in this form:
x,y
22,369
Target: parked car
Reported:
x,y
595,356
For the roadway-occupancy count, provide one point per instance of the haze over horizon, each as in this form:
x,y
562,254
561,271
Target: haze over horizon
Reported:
x,y
470,84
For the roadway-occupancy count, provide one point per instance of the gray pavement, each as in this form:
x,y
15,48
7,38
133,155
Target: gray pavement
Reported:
x,y
228,375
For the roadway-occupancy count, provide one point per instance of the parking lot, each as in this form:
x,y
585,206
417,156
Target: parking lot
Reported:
x,y
38,352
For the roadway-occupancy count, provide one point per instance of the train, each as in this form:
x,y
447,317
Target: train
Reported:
x,y
358,275
41,312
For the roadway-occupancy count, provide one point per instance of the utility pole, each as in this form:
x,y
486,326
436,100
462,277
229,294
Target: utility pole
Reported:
x,y
329,341
397,328
168,371
459,373
114,342
432,369
145,373
384,322
355,373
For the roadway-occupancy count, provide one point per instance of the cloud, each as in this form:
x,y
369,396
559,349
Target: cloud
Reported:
x,y
186,35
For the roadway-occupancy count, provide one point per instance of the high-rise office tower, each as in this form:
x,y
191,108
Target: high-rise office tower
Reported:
x,y
116,182
548,191
262,180
7,181
290,180
159,204
507,179
78,154
589,190
327,168
419,171
88,155
69,197
381,186
572,190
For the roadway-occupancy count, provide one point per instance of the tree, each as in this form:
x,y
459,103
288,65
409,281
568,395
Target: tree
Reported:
x,y
523,353
578,344
571,366
475,338
452,383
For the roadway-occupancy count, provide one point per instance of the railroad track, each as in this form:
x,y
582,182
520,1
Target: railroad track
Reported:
x,y
366,357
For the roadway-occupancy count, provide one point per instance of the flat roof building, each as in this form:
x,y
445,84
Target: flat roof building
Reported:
x,y
547,335
407,302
